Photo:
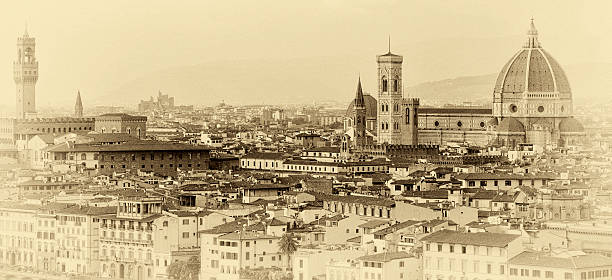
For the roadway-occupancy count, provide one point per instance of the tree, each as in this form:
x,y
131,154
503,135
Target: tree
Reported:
x,y
185,270
288,245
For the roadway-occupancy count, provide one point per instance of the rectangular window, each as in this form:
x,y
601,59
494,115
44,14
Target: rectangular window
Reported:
x,y
535,273
185,221
463,249
476,266
185,234
513,271
439,247
502,269
452,248
549,274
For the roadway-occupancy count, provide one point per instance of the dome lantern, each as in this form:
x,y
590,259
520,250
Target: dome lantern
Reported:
x,y
532,37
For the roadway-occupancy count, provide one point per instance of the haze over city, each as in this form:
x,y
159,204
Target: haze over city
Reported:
x,y
257,52
315,140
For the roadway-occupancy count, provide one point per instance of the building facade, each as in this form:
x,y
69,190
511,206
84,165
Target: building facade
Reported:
x,y
122,123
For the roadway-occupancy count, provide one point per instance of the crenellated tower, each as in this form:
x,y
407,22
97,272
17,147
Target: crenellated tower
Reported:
x,y
25,71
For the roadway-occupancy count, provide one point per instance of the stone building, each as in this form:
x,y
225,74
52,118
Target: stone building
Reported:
x,y
165,159
122,123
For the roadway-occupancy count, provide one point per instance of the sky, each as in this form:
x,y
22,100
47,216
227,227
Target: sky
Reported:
x,y
98,46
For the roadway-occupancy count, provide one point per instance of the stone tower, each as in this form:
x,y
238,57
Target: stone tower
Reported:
x,y
410,124
25,70
78,106
390,97
359,118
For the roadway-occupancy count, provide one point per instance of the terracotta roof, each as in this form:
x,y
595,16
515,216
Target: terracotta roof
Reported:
x,y
477,238
260,155
358,200
247,235
373,224
576,262
385,257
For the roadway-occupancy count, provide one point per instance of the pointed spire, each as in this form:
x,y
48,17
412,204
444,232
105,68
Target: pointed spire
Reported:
x,y
532,36
78,106
359,99
389,43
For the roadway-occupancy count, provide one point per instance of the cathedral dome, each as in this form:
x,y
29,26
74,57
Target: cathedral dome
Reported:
x,y
370,104
532,69
570,125
511,125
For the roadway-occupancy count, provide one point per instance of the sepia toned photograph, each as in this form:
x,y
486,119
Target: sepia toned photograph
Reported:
x,y
306,140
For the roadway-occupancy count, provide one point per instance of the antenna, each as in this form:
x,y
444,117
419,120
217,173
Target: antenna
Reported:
x,y
389,43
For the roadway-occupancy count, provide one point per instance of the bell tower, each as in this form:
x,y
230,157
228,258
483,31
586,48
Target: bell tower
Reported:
x,y
390,95
359,118
25,71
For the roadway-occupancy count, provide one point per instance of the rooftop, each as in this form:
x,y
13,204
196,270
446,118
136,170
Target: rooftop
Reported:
x,y
476,238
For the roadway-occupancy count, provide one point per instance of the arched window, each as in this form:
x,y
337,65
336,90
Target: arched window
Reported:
x,y
83,156
103,130
407,115
396,84
384,84
138,129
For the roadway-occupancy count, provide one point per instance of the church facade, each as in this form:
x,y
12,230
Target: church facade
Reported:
x,y
532,103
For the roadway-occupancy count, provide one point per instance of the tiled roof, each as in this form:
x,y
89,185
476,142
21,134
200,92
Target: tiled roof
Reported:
x,y
439,194
247,235
501,176
485,194
385,257
358,200
324,149
373,224
463,111
266,186
129,146
396,227
478,238
576,262
260,155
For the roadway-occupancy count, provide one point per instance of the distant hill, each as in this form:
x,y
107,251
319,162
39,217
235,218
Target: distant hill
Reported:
x,y
474,89
591,83
321,79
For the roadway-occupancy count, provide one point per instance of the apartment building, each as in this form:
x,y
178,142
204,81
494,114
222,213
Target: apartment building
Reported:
x,y
389,266
448,254
223,255
126,238
310,263
18,234
564,265
175,239
77,237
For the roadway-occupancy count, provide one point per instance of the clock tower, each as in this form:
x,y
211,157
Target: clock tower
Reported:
x,y
25,71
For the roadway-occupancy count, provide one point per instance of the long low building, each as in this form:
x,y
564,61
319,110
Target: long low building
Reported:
x,y
161,158
280,163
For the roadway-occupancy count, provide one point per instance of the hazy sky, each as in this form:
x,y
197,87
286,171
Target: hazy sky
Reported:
x,y
97,46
